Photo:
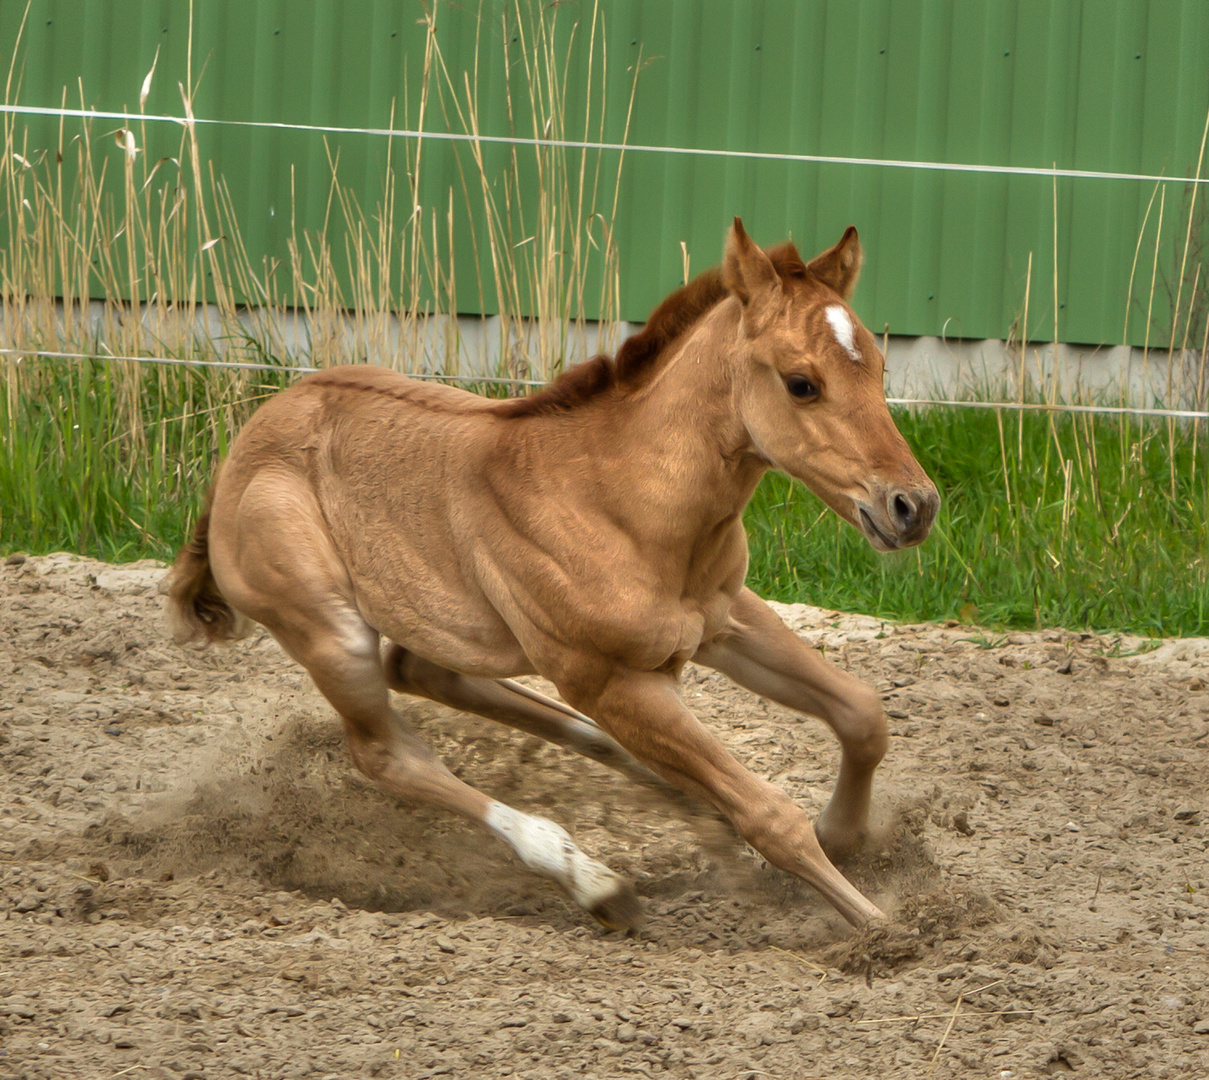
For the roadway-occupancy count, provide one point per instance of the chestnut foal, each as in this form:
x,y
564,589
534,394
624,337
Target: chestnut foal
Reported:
x,y
591,533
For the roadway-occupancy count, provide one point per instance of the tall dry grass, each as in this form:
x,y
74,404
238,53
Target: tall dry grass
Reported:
x,y
161,246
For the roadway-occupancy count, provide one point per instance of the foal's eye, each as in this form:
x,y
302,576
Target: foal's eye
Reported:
x,y
801,387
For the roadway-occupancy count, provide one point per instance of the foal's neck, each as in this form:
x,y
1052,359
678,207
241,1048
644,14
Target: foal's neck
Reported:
x,y
683,432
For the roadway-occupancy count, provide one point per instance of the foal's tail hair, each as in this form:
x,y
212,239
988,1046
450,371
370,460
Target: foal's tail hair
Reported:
x,y
197,610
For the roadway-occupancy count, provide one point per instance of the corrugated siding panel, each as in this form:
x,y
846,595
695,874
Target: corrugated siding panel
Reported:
x,y
1024,84
1114,85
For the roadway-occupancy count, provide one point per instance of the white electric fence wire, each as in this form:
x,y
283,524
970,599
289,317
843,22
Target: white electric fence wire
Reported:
x,y
246,365
1017,406
628,148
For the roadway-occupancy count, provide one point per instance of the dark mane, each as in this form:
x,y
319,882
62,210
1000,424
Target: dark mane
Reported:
x,y
640,355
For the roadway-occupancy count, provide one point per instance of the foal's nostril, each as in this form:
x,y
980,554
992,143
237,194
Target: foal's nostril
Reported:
x,y
903,511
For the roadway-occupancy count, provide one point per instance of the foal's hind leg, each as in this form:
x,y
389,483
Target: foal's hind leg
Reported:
x,y
306,608
402,765
517,706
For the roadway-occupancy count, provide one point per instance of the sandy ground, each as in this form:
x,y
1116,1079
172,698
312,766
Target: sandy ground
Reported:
x,y
195,882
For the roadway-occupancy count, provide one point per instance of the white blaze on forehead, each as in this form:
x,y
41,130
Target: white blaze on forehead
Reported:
x,y
845,331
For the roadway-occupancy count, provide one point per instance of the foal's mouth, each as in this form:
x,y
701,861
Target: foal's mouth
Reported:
x,y
879,539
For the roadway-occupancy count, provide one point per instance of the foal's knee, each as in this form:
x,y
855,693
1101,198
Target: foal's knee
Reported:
x,y
863,730
372,756
778,829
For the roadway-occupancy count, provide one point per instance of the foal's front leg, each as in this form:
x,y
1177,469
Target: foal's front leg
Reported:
x,y
759,652
643,711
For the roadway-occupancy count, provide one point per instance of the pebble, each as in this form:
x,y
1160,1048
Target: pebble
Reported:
x,y
130,580
839,1005
514,1022
1201,1027
626,1033
31,901
445,945
953,971
287,1010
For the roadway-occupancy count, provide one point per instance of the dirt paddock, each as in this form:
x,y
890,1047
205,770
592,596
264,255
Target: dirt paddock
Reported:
x,y
194,881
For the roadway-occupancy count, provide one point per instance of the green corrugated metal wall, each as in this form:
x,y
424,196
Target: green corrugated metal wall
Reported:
x,y
1111,85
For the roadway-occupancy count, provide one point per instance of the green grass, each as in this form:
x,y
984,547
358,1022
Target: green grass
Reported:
x,y
106,461
83,469
1117,551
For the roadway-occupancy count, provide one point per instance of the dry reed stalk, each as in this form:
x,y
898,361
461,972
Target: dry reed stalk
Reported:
x,y
1183,353
1067,502
1200,397
941,1045
1028,285
1049,393
1125,423
1154,271
1007,487
1175,314
820,971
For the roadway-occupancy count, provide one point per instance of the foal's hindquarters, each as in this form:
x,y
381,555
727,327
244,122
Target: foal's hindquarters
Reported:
x,y
275,562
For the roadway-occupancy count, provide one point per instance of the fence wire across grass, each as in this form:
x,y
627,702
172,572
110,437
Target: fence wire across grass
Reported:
x,y
1048,518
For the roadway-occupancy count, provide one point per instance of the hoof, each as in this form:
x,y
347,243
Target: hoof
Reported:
x,y
621,910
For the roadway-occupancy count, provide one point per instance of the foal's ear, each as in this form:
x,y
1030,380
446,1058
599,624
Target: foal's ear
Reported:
x,y
840,266
747,272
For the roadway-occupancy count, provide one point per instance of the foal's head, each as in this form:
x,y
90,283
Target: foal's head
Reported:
x,y
809,386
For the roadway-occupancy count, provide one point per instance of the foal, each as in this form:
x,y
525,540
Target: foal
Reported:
x,y
591,533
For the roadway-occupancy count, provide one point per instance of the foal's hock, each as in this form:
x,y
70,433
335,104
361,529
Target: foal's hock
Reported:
x,y
591,533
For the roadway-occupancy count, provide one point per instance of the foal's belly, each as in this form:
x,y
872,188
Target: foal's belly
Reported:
x,y
452,631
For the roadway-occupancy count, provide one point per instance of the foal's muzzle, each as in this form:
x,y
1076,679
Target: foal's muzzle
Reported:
x,y
897,517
